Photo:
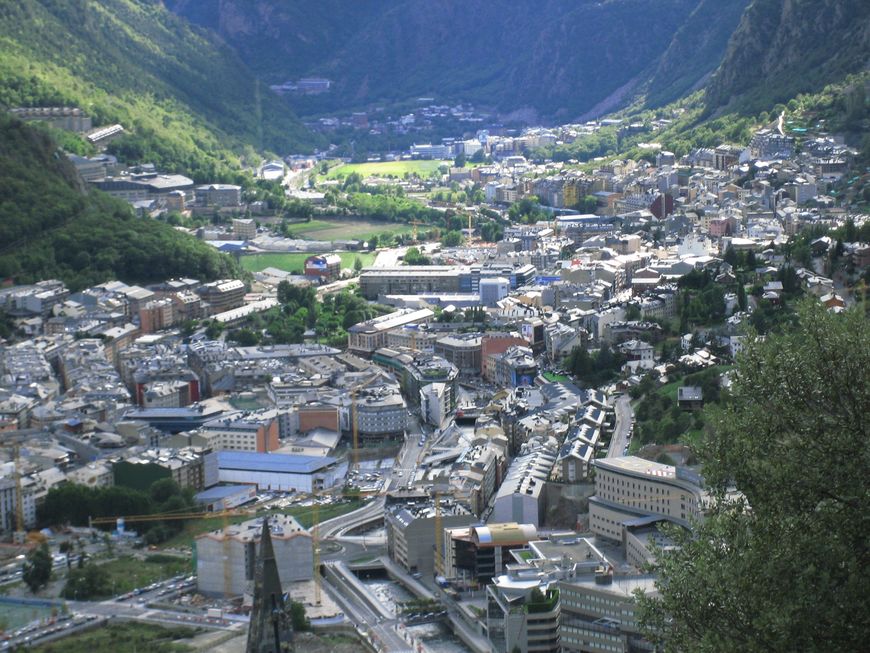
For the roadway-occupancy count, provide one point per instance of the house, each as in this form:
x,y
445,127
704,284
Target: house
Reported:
x,y
641,355
690,397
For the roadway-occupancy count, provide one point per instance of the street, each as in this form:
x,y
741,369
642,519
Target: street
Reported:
x,y
624,417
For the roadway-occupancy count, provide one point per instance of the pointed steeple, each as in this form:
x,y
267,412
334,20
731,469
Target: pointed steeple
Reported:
x,y
270,630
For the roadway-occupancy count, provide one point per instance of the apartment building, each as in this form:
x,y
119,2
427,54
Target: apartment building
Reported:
x,y
366,337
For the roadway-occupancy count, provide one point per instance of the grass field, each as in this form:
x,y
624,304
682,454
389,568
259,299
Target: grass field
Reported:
x,y
291,261
556,378
124,637
128,573
350,229
388,168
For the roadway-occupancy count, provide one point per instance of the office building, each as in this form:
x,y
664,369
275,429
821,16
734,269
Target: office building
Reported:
x,y
411,532
629,488
477,554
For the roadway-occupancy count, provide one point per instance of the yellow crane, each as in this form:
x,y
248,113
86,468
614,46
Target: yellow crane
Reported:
x,y
354,425
439,536
315,546
19,497
414,224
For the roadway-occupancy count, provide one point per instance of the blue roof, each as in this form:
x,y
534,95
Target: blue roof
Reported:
x,y
222,492
272,462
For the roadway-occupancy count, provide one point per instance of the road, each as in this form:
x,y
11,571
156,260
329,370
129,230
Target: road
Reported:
x,y
383,632
624,416
389,258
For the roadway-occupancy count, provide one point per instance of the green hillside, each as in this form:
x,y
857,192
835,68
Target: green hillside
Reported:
x,y
553,58
50,226
783,48
186,98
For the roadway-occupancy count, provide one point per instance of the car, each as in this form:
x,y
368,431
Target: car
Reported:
x,y
400,473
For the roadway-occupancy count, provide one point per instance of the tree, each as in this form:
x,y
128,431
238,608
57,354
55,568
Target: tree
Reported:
x,y
452,239
741,295
37,568
87,582
357,264
297,615
787,565
460,160
414,256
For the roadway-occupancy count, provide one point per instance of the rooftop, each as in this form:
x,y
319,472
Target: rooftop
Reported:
x,y
265,462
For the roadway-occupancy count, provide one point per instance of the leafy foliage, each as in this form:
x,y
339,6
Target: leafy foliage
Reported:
x,y
75,504
37,568
595,370
50,226
188,102
788,562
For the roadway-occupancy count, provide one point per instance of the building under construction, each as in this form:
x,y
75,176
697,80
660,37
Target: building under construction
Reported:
x,y
226,558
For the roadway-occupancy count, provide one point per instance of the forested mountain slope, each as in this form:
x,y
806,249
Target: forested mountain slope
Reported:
x,y
51,226
186,99
553,58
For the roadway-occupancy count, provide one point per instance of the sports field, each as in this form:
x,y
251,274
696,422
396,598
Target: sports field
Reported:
x,y
388,168
346,229
294,261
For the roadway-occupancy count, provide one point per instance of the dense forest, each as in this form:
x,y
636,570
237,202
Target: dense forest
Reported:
x,y
51,226
186,100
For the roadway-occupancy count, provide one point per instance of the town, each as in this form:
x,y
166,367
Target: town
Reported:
x,y
469,424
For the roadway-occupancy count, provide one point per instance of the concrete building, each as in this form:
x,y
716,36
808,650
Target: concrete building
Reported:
x,y
480,553
411,280
280,472
156,315
242,432
493,344
190,468
325,267
521,615
69,118
220,195
222,295
416,370
515,367
366,337
225,497
381,414
8,506
411,532
244,229
463,350
598,613
435,403
629,488
493,290
521,497
225,558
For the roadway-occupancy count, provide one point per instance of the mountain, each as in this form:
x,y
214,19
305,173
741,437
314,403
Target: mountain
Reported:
x,y
51,226
188,101
782,48
551,58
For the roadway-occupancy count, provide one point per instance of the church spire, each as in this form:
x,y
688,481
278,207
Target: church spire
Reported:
x,y
270,630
